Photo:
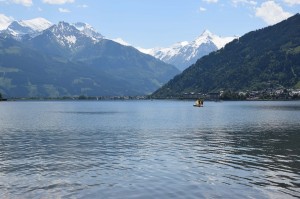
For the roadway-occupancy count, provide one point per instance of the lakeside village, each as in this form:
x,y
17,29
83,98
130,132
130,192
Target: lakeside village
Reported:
x,y
267,94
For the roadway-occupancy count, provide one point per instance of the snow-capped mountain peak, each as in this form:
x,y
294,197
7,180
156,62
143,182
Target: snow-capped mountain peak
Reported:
x,y
183,54
65,34
27,27
64,27
37,24
16,29
207,37
83,26
88,30
72,37
207,33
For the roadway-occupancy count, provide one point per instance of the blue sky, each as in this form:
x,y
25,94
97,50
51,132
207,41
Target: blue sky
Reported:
x,y
153,23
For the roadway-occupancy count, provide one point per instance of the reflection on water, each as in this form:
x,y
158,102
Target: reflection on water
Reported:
x,y
149,149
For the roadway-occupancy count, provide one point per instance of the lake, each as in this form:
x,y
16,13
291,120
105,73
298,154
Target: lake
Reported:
x,y
149,149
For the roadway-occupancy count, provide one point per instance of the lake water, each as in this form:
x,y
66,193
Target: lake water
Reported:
x,y
149,149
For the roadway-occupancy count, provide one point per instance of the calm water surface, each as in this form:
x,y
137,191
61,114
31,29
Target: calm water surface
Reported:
x,y
149,149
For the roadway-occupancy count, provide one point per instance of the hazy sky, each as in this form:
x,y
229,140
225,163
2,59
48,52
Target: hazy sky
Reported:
x,y
153,23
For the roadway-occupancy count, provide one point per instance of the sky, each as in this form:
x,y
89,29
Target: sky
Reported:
x,y
156,23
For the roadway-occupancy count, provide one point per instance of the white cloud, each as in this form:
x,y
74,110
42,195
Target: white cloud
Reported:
x,y
59,2
202,9
210,1
249,2
27,3
63,10
292,2
271,12
5,21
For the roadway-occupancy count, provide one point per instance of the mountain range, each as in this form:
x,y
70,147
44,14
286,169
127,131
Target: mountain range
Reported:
x,y
40,59
261,59
183,54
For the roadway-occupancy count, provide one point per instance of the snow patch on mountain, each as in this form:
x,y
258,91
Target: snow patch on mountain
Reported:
x,y
121,41
149,51
71,39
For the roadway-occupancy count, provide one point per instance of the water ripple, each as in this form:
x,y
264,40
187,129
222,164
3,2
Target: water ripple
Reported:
x,y
136,150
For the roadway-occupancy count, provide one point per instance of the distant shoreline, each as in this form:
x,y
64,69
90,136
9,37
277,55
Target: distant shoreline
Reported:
x,y
137,99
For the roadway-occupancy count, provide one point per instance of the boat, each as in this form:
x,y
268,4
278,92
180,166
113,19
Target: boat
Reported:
x,y
198,103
